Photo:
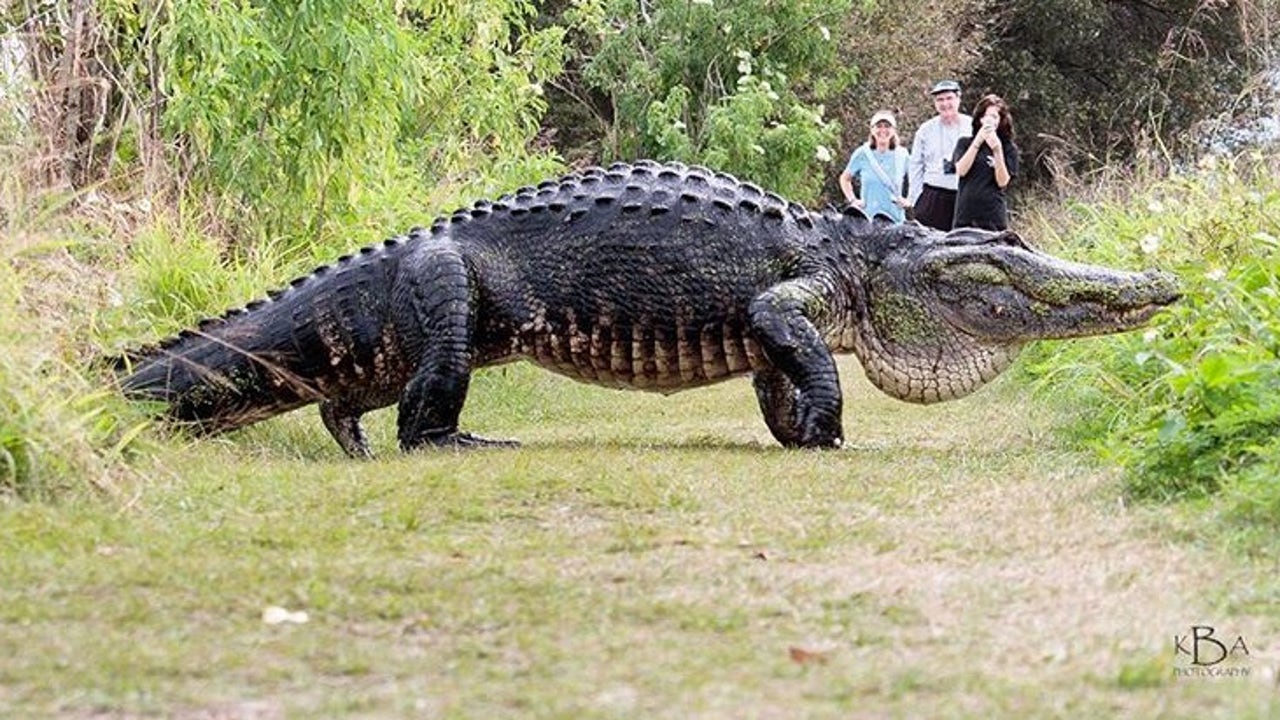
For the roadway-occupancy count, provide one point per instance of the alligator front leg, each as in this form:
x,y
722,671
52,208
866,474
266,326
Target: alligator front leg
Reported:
x,y
800,393
778,399
435,291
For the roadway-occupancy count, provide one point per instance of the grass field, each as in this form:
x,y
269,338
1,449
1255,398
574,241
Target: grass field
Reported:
x,y
639,556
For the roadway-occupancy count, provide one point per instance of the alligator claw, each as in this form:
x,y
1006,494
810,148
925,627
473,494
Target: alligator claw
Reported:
x,y
462,440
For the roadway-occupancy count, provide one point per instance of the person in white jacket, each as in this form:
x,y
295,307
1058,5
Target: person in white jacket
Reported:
x,y
932,179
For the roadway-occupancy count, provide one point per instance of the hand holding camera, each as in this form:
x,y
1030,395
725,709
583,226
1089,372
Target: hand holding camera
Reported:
x,y
988,132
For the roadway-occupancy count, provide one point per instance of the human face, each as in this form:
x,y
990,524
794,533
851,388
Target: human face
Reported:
x,y
883,133
947,104
991,116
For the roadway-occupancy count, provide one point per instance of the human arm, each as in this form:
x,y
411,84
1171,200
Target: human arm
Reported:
x,y
1006,165
1001,169
999,166
915,168
846,187
902,193
846,179
967,151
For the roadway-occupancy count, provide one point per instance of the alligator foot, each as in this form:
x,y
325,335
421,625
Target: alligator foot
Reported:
x,y
466,441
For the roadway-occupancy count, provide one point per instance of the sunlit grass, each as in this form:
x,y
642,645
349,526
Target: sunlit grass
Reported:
x,y
638,556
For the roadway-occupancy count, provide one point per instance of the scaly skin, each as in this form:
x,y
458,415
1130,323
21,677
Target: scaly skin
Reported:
x,y
645,276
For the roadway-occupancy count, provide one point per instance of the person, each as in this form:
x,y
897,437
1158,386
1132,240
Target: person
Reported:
x,y
881,166
932,179
986,163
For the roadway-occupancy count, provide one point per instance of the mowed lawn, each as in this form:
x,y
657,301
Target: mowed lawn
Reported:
x,y
638,557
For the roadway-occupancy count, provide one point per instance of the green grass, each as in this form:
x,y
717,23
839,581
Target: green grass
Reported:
x,y
639,556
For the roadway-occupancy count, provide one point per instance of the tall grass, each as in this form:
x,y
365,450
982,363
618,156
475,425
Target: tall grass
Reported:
x,y
62,433
1191,407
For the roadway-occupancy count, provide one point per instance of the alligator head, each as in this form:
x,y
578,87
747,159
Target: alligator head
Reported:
x,y
946,313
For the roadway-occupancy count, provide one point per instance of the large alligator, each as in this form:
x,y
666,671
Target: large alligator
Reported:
x,y
646,276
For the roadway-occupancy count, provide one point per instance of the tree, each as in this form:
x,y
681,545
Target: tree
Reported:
x,y
307,114
287,120
1093,80
736,85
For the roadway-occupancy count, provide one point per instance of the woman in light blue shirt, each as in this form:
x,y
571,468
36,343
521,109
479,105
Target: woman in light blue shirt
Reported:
x,y
881,166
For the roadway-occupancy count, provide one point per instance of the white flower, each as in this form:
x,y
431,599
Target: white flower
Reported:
x,y
1155,206
826,33
1215,275
1150,336
757,149
822,154
1149,243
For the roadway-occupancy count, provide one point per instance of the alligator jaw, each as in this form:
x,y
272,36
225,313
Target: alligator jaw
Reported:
x,y
1012,293
945,314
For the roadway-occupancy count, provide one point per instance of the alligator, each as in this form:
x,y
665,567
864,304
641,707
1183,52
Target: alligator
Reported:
x,y
648,276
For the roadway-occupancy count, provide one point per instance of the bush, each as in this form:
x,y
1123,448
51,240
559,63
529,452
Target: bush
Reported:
x,y
1099,82
736,86
306,123
310,121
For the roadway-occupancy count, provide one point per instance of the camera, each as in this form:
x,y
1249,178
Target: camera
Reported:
x,y
948,167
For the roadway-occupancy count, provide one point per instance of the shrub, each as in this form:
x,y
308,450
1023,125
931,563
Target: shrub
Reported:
x,y
736,86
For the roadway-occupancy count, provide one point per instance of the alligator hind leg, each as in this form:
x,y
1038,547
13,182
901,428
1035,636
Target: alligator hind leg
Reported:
x,y
436,292
343,422
800,394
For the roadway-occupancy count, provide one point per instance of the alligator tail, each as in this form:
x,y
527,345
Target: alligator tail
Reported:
x,y
218,377
324,331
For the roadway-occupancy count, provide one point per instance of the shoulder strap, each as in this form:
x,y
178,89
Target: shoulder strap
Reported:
x,y
875,165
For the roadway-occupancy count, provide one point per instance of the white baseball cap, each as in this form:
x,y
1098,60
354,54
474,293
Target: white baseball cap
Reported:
x,y
883,116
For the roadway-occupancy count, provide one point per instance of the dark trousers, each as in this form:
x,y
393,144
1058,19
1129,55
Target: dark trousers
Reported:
x,y
936,207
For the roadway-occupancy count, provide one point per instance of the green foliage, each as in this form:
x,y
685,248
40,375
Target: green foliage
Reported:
x,y
308,118
1193,404
715,83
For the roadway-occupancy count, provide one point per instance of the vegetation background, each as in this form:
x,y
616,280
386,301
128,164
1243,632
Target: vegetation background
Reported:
x,y
166,160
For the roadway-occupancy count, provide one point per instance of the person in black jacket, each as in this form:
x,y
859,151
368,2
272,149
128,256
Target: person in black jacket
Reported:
x,y
986,163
